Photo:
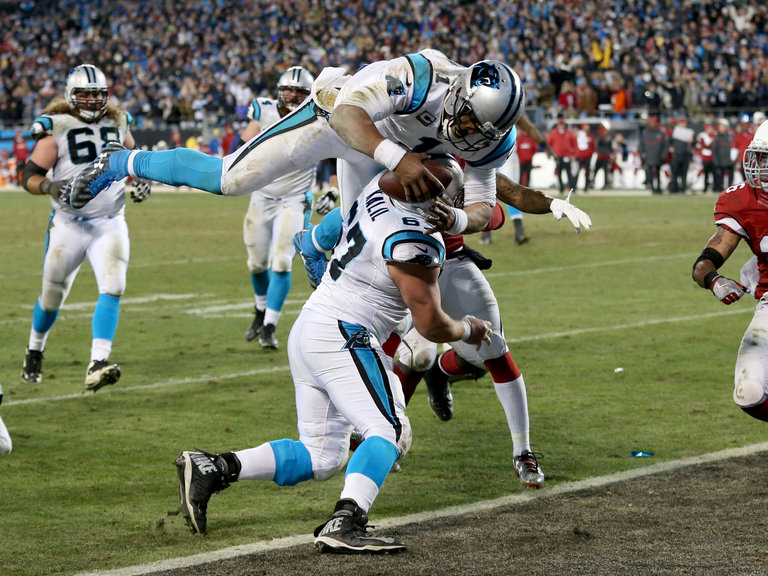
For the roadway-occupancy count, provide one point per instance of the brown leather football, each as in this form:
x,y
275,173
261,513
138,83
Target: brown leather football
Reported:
x,y
391,186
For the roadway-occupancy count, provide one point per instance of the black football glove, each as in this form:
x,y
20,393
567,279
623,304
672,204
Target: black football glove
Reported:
x,y
140,189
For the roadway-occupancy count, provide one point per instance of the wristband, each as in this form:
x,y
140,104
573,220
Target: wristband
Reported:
x,y
389,154
709,278
45,186
467,328
459,223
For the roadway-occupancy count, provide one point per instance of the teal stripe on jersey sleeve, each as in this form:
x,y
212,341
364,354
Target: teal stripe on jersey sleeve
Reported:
x,y
256,110
422,79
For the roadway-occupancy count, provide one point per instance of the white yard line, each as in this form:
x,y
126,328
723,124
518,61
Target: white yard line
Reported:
x,y
510,500
534,337
153,385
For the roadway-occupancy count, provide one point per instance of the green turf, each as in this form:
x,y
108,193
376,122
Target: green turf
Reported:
x,y
91,483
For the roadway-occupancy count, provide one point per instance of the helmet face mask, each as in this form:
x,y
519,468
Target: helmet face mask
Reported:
x,y
87,92
293,87
755,161
482,105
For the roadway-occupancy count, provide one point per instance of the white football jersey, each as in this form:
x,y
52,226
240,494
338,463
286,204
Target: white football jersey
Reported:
x,y
405,96
357,287
78,145
299,182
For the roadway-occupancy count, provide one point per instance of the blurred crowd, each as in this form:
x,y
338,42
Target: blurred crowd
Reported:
x,y
204,60
669,156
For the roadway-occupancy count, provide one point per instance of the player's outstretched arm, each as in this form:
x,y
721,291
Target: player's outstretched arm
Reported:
x,y
533,201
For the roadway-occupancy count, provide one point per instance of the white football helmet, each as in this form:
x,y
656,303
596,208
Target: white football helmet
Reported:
x,y
755,161
488,96
293,87
87,80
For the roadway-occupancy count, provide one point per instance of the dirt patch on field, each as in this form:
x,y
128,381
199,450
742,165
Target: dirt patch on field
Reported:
x,y
708,519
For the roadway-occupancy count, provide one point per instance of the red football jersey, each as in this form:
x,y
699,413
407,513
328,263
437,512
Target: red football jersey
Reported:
x,y
744,211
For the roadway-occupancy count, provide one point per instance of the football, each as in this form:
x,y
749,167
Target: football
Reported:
x,y
390,185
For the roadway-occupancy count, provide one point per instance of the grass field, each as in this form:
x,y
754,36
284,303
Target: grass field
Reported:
x,y
91,484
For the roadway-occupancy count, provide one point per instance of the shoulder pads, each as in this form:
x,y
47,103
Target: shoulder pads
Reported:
x,y
42,126
413,248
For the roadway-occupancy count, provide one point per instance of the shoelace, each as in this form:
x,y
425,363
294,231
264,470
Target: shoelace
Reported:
x,y
221,483
531,460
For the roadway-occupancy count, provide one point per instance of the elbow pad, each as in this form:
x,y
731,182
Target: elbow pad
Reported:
x,y
31,169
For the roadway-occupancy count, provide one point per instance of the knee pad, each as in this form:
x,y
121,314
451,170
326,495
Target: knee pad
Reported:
x,y
52,296
497,347
328,463
748,392
114,280
329,454
417,353
406,436
257,261
387,432
282,263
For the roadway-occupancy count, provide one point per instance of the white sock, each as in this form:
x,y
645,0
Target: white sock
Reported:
x,y
514,400
257,463
271,316
261,302
100,349
361,489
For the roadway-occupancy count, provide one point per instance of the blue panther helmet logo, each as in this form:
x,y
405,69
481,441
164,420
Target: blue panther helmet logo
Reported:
x,y
484,74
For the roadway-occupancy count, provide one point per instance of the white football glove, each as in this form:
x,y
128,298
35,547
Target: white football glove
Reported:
x,y
727,290
327,201
578,218
140,189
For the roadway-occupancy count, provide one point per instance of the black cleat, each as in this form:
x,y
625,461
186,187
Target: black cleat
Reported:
x,y
254,330
440,397
345,533
267,339
200,477
32,370
95,177
101,373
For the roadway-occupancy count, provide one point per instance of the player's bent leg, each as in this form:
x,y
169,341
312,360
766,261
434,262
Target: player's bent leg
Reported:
x,y
300,139
345,532
257,238
177,167
750,392
100,371
510,390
